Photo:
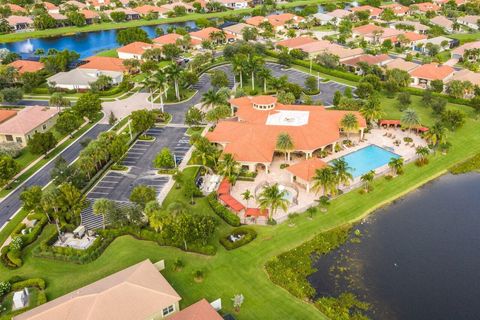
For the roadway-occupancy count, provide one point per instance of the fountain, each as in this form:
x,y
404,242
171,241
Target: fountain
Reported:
x,y
26,47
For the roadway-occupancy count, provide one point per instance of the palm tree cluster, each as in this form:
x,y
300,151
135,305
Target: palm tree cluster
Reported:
x,y
252,65
204,151
272,198
329,178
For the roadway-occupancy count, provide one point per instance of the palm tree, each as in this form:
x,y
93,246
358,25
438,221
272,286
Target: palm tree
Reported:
x,y
254,64
396,165
264,74
218,36
247,195
174,73
349,123
213,98
272,198
436,135
102,207
410,119
325,179
367,179
279,83
229,167
342,170
285,144
371,111
156,82
58,101
422,153
238,64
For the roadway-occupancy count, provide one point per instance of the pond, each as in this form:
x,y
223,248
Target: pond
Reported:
x,y
85,43
419,258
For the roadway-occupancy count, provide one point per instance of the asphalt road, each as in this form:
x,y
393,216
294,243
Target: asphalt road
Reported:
x,y
12,203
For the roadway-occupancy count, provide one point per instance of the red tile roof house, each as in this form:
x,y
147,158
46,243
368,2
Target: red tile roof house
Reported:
x,y
23,66
19,23
135,50
129,13
459,52
26,123
424,7
147,9
352,65
443,22
90,16
74,3
189,8
15,8
279,22
375,34
251,139
423,75
61,19
374,12
205,35
303,172
407,39
397,8
50,7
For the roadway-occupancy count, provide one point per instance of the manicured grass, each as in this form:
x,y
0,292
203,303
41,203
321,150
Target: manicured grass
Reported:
x,y
465,37
112,53
12,37
242,270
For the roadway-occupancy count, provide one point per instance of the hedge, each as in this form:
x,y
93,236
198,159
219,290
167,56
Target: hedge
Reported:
x,y
41,296
249,235
33,282
227,216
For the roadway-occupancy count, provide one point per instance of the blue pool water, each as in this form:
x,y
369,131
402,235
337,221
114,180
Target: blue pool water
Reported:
x,y
368,158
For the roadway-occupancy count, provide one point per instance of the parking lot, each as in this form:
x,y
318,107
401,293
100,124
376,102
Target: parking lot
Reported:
x,y
117,185
327,89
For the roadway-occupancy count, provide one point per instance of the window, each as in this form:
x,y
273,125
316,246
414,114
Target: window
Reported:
x,y
9,137
44,127
19,139
168,310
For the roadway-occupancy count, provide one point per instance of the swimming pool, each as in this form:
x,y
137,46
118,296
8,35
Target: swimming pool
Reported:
x,y
368,158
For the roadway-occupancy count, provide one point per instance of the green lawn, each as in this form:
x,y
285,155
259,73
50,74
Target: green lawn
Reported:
x,y
242,270
465,37
12,37
112,53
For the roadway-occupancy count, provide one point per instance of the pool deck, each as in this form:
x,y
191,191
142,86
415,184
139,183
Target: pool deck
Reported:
x,y
383,138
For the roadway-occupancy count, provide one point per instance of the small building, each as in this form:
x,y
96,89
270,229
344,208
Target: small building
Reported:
x,y
423,75
375,34
443,23
73,3
15,8
20,299
20,23
50,7
170,7
28,121
90,16
324,18
406,39
206,34
374,12
401,64
442,42
134,50
303,172
129,13
354,64
148,9
280,22
424,7
398,9
469,21
459,52
236,30
59,18
23,66
338,15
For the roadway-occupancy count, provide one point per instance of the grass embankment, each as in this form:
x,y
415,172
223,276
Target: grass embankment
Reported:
x,y
242,270
13,37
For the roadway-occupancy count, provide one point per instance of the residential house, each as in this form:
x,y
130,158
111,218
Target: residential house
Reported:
x,y
6,114
469,76
90,16
398,9
374,12
424,7
236,30
324,18
73,3
442,42
406,39
23,66
338,15
28,121
417,26
424,74
135,50
375,34
99,4
147,9
443,2
20,23
189,8
443,23
201,310
15,8
459,52
59,18
401,64
471,22
50,7
170,38
354,64
129,13
279,22
235,4
206,35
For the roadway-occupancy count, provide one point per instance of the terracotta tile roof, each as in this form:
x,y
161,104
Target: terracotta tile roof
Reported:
x,y
366,29
171,6
255,21
256,212
339,13
367,58
97,3
170,38
6,114
442,22
27,119
224,187
136,47
145,9
306,169
467,46
135,293
401,64
253,137
104,63
467,75
396,8
425,6
49,5
282,18
201,310
89,14
373,11
14,20
75,3
432,71
16,7
23,66
293,43
58,16
231,202
237,28
204,34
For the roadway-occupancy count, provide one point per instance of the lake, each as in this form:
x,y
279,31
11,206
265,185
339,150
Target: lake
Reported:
x,y
418,258
85,43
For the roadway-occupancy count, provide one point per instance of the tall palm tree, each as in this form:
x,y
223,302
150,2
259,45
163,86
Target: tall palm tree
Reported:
x,y
156,82
349,123
254,64
410,119
247,195
367,179
58,100
371,111
238,64
285,144
174,73
342,170
325,179
213,98
102,207
265,74
229,167
273,199
422,153
436,135
218,36
396,165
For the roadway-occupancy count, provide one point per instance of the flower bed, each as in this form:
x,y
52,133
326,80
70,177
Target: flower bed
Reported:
x,y
247,235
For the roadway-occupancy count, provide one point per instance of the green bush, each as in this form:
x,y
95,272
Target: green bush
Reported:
x,y
249,235
471,164
34,282
18,229
228,216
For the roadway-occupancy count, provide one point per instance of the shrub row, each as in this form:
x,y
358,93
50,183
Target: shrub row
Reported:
x,y
33,282
249,235
471,164
41,296
227,216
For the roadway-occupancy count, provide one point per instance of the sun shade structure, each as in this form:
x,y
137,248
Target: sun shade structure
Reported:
x,y
224,187
306,169
256,212
231,202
